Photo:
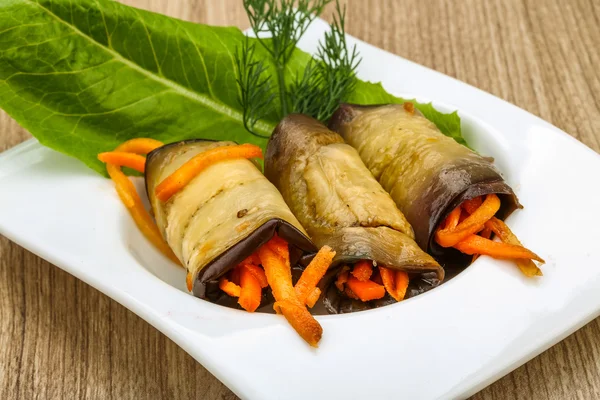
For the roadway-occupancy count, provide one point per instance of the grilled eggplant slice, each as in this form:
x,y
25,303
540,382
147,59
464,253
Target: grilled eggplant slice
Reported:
x,y
337,200
221,217
427,173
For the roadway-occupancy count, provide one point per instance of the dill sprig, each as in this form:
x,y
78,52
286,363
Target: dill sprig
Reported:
x,y
256,94
330,78
326,80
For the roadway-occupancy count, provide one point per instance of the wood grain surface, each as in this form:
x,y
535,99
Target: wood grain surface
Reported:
x,y
60,338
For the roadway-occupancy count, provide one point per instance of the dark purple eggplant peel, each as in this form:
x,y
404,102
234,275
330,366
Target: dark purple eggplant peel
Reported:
x,y
221,217
427,173
341,205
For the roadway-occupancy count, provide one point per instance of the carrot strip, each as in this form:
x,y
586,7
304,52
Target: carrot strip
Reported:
x,y
251,292
131,199
477,245
471,225
251,259
500,228
258,273
363,270
314,273
313,297
229,287
367,290
342,278
452,218
401,285
123,159
279,246
279,277
139,145
134,204
189,281
188,171
389,281
472,205
485,233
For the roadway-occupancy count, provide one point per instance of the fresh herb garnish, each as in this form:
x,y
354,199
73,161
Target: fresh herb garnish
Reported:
x,y
84,78
326,80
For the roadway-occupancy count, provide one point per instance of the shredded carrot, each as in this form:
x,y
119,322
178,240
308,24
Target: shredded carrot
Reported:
x,y
452,219
134,204
279,246
251,259
188,171
124,159
472,205
139,145
363,270
131,199
229,287
395,282
500,228
474,223
477,245
313,297
401,285
314,273
251,292
367,290
189,282
258,273
342,278
279,277
389,281
485,233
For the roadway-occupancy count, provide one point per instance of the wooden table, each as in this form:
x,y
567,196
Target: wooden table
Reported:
x,y
59,338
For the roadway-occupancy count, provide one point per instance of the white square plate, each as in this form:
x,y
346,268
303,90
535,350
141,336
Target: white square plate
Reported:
x,y
447,343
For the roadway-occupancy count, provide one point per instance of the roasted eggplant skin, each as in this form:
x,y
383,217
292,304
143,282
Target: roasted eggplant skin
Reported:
x,y
427,173
337,200
221,217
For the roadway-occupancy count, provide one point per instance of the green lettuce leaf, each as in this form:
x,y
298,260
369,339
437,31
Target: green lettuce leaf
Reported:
x,y
84,76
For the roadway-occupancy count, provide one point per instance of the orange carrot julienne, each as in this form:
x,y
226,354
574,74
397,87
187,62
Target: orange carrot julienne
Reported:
x,y
500,228
313,297
251,292
279,246
477,245
124,159
188,171
251,259
229,287
314,273
485,233
471,225
470,206
189,281
134,204
401,285
367,290
363,270
452,218
139,145
280,280
258,273
389,281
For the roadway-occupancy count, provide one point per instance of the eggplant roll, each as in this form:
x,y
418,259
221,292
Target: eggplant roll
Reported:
x,y
427,173
221,217
337,200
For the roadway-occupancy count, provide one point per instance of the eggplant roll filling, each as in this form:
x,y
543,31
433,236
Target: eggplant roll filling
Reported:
x,y
436,182
341,205
221,217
